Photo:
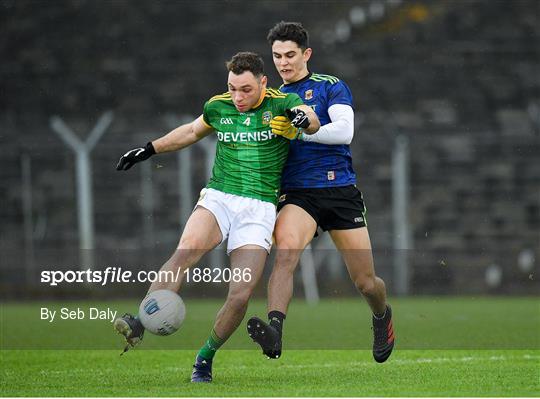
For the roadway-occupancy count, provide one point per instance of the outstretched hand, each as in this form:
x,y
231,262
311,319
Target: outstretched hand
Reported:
x,y
131,157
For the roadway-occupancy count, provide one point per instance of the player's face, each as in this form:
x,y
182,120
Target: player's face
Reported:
x,y
290,60
246,89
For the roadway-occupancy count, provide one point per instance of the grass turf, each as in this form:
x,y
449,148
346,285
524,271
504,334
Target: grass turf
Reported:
x,y
445,347
248,373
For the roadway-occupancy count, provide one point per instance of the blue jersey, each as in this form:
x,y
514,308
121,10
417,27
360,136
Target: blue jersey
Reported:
x,y
315,165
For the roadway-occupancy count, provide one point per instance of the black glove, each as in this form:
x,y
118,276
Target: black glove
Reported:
x,y
131,157
298,118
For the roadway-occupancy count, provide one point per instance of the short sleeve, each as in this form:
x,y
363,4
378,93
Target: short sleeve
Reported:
x,y
206,113
339,93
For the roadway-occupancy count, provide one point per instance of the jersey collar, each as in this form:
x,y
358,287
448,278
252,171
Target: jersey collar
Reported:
x,y
298,81
263,94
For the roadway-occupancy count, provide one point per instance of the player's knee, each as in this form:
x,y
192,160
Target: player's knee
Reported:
x,y
286,260
285,239
189,249
288,252
366,285
189,243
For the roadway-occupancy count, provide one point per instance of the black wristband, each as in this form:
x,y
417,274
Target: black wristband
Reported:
x,y
150,148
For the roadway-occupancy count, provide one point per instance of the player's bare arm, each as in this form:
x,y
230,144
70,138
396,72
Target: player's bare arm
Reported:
x,y
182,136
177,139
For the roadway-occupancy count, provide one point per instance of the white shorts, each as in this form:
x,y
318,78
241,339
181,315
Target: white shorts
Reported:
x,y
242,220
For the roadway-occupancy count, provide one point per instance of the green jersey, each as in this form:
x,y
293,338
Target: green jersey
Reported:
x,y
249,157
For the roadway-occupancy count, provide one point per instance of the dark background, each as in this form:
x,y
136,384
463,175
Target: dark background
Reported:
x,y
461,79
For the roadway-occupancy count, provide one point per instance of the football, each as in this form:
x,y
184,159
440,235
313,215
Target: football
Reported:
x,y
162,312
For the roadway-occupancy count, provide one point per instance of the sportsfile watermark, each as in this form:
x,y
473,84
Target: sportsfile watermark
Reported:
x,y
454,300
111,275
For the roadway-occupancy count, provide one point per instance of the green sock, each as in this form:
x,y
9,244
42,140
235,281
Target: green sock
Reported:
x,y
211,346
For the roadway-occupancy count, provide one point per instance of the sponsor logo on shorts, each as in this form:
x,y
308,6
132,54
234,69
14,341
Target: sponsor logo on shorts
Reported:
x,y
282,198
358,219
331,175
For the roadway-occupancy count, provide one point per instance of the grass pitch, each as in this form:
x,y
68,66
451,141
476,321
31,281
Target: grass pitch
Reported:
x,y
248,373
445,347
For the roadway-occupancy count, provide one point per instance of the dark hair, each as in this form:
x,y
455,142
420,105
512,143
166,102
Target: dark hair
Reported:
x,y
246,61
293,31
